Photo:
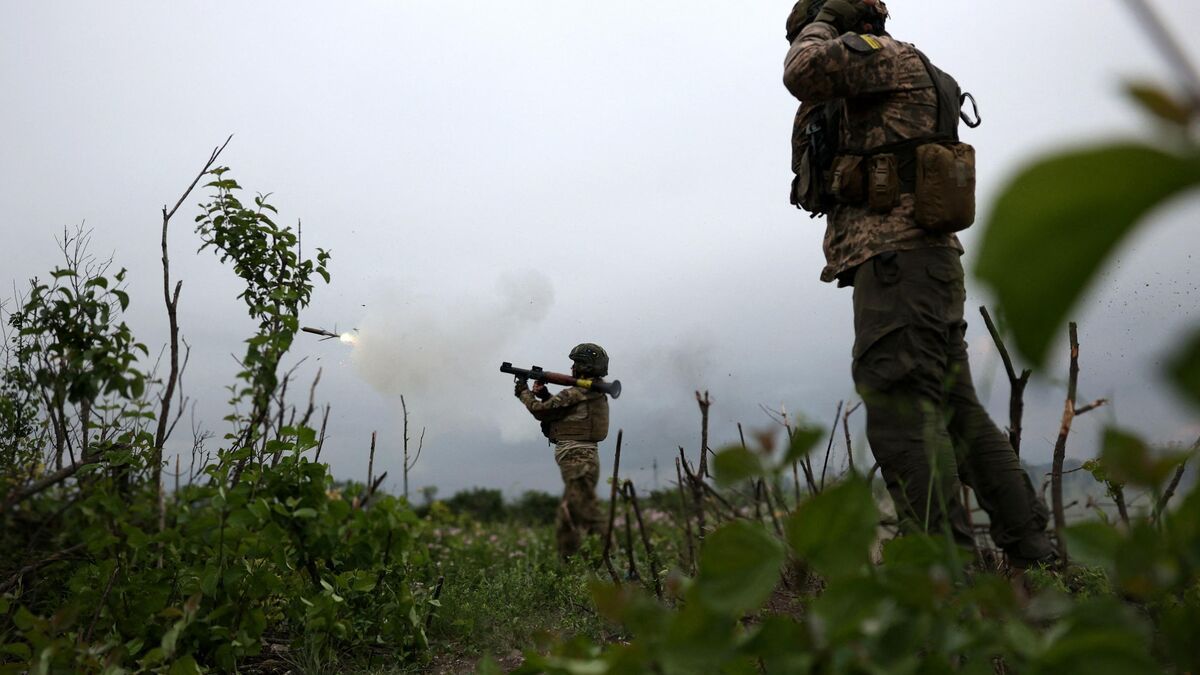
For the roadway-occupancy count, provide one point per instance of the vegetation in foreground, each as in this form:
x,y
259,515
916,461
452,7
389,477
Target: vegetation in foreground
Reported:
x,y
261,562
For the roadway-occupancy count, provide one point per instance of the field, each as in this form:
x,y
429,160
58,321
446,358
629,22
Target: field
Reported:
x,y
253,557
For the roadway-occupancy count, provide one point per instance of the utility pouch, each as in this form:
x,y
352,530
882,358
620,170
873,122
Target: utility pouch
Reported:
x,y
945,190
846,181
883,183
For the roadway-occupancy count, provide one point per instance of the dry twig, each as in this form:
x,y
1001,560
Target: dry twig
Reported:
x,y
612,511
652,560
837,416
1060,446
690,563
1017,384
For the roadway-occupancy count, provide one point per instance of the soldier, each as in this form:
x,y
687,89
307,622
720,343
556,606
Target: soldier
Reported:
x,y
575,420
871,107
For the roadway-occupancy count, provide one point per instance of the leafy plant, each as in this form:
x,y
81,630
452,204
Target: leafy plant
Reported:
x,y
109,573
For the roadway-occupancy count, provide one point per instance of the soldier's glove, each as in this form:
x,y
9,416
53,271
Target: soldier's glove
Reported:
x,y
845,15
521,386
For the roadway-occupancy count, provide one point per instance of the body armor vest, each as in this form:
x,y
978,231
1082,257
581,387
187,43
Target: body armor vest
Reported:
x,y
827,174
587,421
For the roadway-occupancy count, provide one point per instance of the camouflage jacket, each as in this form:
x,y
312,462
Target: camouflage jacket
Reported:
x,y
889,97
573,414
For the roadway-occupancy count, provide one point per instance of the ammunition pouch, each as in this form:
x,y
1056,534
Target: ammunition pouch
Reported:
x,y
938,170
945,186
883,183
940,175
874,180
846,182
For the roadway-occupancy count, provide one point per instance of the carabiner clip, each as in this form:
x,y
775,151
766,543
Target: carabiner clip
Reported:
x,y
972,123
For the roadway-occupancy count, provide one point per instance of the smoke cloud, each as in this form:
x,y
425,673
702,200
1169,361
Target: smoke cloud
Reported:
x,y
431,353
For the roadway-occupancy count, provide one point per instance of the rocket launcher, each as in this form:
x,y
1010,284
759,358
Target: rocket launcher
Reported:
x,y
536,374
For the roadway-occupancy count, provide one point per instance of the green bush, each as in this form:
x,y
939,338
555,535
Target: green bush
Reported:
x,y
534,507
484,505
105,571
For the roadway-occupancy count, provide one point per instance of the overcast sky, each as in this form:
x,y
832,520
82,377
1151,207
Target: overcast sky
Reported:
x,y
499,182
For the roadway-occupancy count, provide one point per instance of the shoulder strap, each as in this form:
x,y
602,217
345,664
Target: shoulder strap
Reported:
x,y
948,98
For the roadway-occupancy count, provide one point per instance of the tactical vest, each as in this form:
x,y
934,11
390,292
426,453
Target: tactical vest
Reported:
x,y
586,421
937,169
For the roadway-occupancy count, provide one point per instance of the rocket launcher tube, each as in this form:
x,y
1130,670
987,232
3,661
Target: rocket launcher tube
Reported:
x,y
536,374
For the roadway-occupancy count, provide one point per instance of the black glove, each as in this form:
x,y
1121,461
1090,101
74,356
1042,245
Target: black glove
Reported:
x,y
845,15
521,386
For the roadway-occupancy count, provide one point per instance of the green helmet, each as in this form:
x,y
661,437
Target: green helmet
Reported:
x,y
590,359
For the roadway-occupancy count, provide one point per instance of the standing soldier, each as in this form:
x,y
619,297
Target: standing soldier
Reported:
x,y
575,420
875,147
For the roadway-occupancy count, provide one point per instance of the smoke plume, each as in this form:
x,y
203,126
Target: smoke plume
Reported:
x,y
434,354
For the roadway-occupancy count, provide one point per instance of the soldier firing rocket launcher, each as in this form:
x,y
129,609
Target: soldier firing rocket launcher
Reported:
x,y
536,374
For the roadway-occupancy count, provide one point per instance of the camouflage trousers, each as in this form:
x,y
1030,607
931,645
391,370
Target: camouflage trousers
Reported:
x,y
578,512
926,426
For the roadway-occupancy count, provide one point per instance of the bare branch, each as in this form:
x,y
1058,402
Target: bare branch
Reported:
x,y
312,395
690,563
837,416
1091,406
612,511
420,444
1016,383
1060,446
371,462
33,567
1165,499
321,440
171,300
652,559
846,428
705,403
47,482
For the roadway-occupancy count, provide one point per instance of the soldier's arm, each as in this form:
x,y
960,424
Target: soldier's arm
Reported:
x,y
555,407
822,65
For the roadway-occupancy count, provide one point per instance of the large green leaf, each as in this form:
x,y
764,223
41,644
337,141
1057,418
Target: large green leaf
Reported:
x,y
1060,219
834,530
1093,543
1185,369
1128,459
802,443
1097,637
738,568
736,464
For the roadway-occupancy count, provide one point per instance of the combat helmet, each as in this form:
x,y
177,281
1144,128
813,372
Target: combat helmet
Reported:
x,y
590,359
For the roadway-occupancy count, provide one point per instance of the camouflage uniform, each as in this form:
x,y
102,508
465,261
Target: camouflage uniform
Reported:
x,y
575,420
925,424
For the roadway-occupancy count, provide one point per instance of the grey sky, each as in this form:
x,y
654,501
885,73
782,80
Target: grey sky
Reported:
x,y
613,172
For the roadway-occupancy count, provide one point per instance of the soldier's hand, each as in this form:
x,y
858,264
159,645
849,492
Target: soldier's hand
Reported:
x,y
521,386
846,15
540,391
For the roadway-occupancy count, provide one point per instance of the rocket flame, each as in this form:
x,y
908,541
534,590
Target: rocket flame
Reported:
x,y
348,338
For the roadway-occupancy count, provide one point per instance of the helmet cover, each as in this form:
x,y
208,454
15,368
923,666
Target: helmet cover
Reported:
x,y
590,359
